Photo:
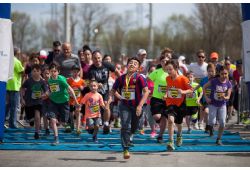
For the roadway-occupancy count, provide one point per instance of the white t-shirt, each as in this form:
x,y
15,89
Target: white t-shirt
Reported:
x,y
199,71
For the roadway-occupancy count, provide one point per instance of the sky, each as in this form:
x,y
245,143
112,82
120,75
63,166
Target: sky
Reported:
x,y
160,10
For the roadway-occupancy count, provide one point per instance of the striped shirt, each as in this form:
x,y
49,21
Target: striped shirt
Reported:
x,y
132,94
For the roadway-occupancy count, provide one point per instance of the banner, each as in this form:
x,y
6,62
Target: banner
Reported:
x,y
6,50
246,49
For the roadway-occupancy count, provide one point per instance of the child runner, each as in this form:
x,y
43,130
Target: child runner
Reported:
x,y
221,89
59,98
93,102
192,101
177,87
157,103
77,84
211,70
132,90
34,90
46,101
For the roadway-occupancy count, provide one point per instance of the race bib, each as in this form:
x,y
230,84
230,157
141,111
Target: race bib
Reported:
x,y
129,94
54,88
162,89
219,95
173,93
77,93
95,109
36,95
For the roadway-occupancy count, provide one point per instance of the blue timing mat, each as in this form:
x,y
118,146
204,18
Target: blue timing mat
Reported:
x,y
198,141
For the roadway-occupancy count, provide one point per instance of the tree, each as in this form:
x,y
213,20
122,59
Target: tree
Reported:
x,y
25,33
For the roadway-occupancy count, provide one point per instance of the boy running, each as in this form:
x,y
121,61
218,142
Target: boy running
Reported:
x,y
59,98
77,84
192,101
177,87
132,90
33,91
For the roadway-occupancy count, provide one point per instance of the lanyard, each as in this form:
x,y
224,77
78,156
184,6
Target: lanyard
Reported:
x,y
127,80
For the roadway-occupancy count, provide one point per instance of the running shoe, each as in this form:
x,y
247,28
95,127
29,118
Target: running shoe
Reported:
x,y
67,129
160,139
36,136
153,134
56,142
142,132
179,141
189,131
170,146
47,132
126,154
78,132
106,129
218,142
95,139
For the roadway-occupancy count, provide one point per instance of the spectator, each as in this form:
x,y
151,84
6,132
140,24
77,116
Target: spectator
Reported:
x,y
52,54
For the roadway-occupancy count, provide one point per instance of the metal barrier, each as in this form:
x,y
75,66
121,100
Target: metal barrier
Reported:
x,y
243,101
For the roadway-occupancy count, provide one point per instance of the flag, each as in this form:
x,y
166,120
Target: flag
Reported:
x,y
6,50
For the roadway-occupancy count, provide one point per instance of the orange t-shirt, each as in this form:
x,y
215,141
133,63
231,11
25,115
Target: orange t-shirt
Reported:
x,y
174,97
93,103
75,85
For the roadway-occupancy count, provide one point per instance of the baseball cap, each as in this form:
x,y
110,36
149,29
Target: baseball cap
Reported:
x,y
214,55
75,67
43,54
181,58
141,52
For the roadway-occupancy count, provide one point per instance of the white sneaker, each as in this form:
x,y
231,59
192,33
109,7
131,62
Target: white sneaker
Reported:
x,y
201,126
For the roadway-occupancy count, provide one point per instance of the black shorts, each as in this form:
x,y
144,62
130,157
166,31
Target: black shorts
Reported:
x,y
230,102
191,110
30,111
59,111
177,111
158,106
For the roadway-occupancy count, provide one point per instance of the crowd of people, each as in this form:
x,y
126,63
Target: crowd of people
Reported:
x,y
88,91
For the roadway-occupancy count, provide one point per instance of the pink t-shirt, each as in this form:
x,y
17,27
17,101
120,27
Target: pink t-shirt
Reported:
x,y
151,89
93,103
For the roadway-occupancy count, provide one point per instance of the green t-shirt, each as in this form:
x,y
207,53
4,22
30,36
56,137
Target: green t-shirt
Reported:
x,y
14,84
59,89
159,78
192,98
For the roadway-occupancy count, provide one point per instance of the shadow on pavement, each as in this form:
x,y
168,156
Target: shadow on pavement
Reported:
x,y
108,159
231,154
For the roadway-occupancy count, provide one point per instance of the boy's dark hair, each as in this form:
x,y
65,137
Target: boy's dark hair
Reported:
x,y
46,67
134,58
85,48
56,43
105,56
36,66
189,73
33,55
76,67
211,65
173,63
54,65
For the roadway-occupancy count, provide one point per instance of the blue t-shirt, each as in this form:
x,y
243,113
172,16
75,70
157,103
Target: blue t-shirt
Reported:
x,y
219,89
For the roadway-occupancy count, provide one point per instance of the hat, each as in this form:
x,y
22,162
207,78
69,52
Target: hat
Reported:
x,y
214,55
43,54
181,58
141,52
239,62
